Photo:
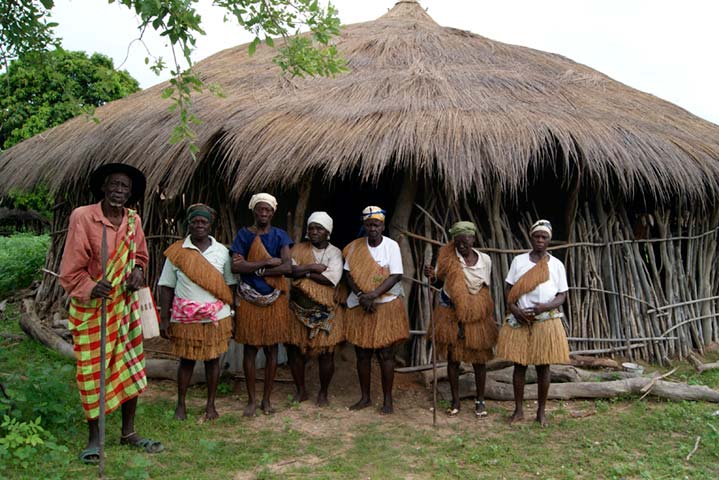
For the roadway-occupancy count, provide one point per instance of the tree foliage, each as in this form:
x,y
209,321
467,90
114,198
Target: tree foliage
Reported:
x,y
44,89
180,22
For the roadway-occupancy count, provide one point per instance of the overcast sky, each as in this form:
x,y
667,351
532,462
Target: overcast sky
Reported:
x,y
664,47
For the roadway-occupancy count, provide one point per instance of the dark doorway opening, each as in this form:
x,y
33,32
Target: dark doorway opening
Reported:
x,y
344,200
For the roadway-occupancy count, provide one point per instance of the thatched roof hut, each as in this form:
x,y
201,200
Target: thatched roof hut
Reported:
x,y
436,123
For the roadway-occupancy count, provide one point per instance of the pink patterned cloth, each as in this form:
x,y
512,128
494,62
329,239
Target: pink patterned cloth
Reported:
x,y
190,311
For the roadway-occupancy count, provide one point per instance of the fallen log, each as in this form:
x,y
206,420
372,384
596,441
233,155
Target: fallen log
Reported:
x,y
35,328
560,374
699,365
592,362
566,391
494,364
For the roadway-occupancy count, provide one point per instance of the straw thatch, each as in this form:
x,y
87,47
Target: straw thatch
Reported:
x,y
474,112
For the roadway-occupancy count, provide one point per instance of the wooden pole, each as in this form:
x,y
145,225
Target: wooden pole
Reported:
x,y
103,333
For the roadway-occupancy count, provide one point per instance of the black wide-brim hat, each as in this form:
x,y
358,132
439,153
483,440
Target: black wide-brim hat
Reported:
x,y
97,178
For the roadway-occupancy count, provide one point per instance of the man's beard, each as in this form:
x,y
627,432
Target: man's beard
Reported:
x,y
115,204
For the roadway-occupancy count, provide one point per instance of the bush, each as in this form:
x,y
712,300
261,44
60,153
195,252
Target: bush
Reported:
x,y
21,257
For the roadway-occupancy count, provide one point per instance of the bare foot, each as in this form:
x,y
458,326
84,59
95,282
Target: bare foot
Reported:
x,y
180,412
542,420
267,407
386,409
211,413
249,410
322,400
363,403
518,416
300,396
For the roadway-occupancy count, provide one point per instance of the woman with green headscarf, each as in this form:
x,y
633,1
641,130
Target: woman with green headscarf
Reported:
x,y
195,304
465,330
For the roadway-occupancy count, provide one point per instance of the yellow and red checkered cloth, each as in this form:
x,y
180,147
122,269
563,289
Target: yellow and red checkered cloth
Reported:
x,y
124,357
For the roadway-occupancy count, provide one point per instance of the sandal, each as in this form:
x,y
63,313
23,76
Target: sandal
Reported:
x,y
480,409
150,446
90,456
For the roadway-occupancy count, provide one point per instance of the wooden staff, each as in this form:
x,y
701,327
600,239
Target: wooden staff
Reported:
x,y
434,357
103,328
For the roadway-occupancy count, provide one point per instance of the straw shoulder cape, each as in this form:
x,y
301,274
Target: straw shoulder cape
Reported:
x,y
531,279
469,308
322,294
365,271
199,270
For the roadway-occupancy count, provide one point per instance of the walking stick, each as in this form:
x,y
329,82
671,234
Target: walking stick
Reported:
x,y
434,358
103,328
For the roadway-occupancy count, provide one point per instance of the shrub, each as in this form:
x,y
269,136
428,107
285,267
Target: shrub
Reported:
x,y
21,257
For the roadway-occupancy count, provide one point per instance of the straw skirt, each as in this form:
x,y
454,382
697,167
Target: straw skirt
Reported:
x,y
479,337
387,326
545,344
200,341
264,326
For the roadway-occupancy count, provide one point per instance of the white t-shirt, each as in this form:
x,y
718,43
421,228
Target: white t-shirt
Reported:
x,y
544,292
218,256
386,254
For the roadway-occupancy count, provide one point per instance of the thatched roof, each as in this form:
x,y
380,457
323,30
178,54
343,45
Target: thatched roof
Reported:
x,y
449,104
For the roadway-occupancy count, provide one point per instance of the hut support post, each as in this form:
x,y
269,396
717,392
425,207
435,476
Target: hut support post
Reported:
x,y
400,223
298,220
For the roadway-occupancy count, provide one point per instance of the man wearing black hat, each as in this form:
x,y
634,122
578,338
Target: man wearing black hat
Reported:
x,y
81,275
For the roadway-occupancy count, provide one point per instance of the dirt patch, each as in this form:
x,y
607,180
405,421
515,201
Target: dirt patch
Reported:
x,y
413,402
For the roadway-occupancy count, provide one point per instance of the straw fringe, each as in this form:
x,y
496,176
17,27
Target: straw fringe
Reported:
x,y
199,270
322,294
200,341
263,326
545,345
531,279
505,100
387,326
469,308
365,271
479,336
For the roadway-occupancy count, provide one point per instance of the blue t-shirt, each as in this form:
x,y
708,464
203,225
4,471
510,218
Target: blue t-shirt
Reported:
x,y
273,241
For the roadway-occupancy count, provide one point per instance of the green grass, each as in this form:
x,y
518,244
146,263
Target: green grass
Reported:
x,y
22,255
621,439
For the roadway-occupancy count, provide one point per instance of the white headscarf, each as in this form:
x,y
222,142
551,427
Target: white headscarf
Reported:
x,y
321,218
263,197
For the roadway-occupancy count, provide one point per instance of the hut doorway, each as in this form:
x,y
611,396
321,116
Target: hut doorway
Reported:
x,y
344,200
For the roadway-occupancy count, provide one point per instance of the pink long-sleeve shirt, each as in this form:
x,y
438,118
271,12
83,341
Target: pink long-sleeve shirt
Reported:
x,y
81,267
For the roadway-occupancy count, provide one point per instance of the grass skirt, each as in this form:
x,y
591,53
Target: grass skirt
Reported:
x,y
200,341
322,342
546,345
264,326
479,337
388,325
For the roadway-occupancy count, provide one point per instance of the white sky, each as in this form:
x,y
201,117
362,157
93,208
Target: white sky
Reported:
x,y
664,47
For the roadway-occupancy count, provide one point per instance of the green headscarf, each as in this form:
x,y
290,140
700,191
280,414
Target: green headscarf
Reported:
x,y
201,210
462,228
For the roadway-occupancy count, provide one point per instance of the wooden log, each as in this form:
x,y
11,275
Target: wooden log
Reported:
x,y
35,328
561,374
566,391
699,365
592,362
